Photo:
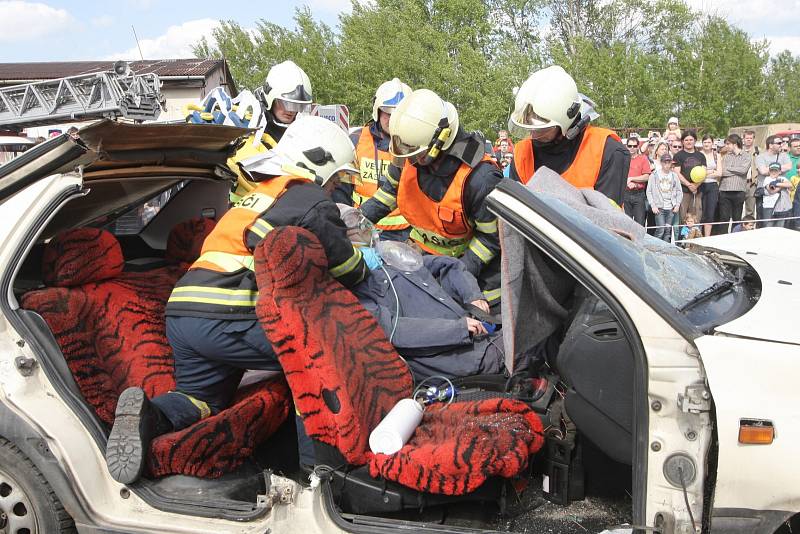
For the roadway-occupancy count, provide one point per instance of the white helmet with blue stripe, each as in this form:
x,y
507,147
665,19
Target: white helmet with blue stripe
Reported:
x,y
388,95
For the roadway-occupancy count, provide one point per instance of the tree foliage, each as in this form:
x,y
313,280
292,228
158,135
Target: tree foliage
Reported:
x,y
640,60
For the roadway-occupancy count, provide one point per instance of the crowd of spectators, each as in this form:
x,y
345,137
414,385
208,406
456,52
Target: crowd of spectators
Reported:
x,y
503,151
682,186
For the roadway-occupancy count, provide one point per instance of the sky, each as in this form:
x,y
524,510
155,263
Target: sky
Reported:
x,y
57,30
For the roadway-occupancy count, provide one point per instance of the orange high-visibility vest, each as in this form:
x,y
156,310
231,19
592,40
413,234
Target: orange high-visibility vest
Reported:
x,y
372,164
437,227
584,169
227,236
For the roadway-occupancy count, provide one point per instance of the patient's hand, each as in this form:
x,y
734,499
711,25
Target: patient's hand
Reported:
x,y
482,304
475,327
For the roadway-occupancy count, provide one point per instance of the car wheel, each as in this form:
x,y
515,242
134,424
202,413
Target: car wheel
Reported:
x,y
28,504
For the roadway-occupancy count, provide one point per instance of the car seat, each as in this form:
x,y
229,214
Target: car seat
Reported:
x,y
345,376
110,327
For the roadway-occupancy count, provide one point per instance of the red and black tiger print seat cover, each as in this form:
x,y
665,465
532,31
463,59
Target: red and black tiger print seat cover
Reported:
x,y
345,376
109,325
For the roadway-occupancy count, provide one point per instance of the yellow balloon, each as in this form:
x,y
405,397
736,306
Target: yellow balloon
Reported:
x,y
698,174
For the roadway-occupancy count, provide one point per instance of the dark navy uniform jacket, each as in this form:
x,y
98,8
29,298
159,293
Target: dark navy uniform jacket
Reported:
x,y
431,331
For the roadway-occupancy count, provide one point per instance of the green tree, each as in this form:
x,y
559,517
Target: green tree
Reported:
x,y
722,78
783,87
312,45
640,60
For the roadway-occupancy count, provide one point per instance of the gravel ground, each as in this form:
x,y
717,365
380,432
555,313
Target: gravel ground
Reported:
x,y
593,514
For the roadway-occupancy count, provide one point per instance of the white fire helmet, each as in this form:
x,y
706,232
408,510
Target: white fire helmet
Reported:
x,y
290,84
422,122
313,148
388,96
548,98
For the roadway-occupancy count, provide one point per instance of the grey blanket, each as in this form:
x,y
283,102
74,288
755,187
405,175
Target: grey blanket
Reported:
x,y
536,291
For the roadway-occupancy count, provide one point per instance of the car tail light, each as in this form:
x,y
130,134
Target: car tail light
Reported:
x,y
756,432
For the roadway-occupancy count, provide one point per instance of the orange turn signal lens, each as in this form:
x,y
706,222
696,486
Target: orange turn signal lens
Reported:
x,y
756,432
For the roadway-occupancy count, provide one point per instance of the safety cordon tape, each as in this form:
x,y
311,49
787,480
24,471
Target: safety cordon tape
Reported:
x,y
731,223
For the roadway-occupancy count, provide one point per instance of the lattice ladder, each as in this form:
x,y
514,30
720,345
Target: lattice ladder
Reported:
x,y
84,97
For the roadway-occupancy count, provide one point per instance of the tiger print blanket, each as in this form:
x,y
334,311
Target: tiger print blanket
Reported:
x,y
345,376
110,328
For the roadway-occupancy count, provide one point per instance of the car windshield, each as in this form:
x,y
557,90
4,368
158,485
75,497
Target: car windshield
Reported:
x,y
674,273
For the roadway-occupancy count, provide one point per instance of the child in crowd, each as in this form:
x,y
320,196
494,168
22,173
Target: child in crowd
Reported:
x,y
748,223
664,195
776,200
690,230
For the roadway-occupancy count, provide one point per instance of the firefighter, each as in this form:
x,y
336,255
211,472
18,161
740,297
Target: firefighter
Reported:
x,y
211,321
550,111
373,158
441,187
285,93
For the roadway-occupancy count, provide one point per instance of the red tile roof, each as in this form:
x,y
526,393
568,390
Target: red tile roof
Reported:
x,y
61,69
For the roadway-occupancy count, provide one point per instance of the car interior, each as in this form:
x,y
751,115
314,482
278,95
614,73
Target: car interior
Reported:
x,y
553,439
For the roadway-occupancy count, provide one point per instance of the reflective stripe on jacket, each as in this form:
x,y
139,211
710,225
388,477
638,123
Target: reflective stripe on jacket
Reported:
x,y
584,169
373,164
439,227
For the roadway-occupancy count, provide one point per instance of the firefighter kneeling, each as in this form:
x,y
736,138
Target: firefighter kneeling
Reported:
x,y
442,186
211,321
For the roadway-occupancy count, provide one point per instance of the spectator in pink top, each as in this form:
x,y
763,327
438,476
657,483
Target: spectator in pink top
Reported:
x,y
638,174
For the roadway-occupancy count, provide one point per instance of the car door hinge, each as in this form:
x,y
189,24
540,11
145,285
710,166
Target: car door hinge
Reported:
x,y
25,365
275,493
695,399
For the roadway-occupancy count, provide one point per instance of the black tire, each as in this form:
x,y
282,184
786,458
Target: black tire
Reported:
x,y
27,502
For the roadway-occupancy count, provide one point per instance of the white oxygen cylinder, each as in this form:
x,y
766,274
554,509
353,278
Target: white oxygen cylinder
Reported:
x,y
396,428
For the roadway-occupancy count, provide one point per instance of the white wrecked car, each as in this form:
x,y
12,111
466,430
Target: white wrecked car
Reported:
x,y
664,376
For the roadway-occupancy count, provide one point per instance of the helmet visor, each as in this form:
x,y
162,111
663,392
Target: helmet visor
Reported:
x,y
295,107
387,109
527,118
399,149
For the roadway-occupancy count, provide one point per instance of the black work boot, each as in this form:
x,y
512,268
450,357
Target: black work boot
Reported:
x,y
136,423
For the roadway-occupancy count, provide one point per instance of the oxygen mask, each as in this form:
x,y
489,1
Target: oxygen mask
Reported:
x,y
400,256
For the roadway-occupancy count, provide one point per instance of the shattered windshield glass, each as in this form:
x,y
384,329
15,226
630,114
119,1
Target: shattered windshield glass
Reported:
x,y
676,274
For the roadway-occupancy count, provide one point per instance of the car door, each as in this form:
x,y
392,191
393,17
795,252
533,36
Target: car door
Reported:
x,y
672,427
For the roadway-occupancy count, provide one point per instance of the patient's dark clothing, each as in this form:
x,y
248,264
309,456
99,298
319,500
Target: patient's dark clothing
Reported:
x,y
431,331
